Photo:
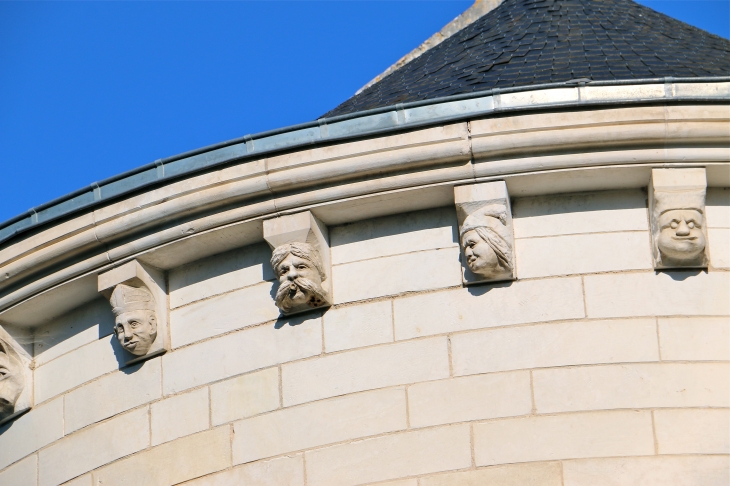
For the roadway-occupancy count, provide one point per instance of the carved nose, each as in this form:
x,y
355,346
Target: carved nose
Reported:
x,y
682,229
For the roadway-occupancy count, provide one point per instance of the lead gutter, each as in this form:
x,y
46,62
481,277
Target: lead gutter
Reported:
x,y
344,127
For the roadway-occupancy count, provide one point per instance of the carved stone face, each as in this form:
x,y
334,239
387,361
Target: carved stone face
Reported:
x,y
12,380
136,331
300,283
480,257
680,234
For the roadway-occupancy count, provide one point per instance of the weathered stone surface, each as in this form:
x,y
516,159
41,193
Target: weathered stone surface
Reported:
x,y
179,416
648,471
320,423
244,396
392,456
368,279
498,305
469,398
113,394
94,447
693,431
356,326
365,369
36,429
23,473
579,435
719,244
632,386
172,463
695,338
560,344
283,471
240,352
537,474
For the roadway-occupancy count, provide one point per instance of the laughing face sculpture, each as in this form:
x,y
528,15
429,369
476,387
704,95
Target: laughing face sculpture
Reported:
x,y
486,242
136,321
301,273
12,379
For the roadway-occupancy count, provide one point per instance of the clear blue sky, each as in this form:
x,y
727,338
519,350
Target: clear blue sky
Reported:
x,y
92,89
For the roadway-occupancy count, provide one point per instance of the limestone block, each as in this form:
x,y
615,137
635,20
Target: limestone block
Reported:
x,y
16,383
138,296
695,338
77,328
244,396
179,416
173,462
31,431
402,233
579,435
240,352
222,313
693,431
596,212
402,482
219,274
649,471
389,457
112,394
469,398
301,262
320,423
75,368
485,232
661,294
645,385
283,471
678,220
717,206
560,344
356,326
23,473
85,480
499,305
369,279
536,474
719,241
364,369
93,447
565,255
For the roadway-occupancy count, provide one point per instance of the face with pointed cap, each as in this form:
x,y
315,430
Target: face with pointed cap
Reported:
x,y
680,234
12,379
136,322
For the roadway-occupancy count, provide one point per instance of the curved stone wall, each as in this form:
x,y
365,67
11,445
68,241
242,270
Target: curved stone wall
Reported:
x,y
590,368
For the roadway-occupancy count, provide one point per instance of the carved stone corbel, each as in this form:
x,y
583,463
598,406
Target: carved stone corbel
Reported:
x,y
301,262
677,213
16,379
138,296
485,232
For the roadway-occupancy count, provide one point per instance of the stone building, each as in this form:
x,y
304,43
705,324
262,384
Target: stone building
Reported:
x,y
506,261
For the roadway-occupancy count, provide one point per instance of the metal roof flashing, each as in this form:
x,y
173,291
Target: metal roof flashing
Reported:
x,y
403,116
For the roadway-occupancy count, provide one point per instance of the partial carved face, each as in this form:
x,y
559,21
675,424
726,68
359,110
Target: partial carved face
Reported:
x,y
300,283
136,331
12,381
680,234
480,257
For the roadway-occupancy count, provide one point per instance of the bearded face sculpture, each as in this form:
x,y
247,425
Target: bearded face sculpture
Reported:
x,y
136,322
12,379
300,271
486,242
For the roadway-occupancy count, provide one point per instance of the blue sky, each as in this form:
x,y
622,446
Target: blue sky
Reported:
x,y
92,89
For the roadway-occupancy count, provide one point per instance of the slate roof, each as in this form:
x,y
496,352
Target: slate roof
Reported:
x,y
527,42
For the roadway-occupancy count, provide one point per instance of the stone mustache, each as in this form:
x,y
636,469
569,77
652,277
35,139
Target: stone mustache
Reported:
x,y
12,379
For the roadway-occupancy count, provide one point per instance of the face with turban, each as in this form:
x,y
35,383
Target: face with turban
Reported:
x,y
136,321
300,272
485,239
12,379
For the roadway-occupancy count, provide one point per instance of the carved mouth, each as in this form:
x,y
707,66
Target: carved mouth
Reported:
x,y
684,238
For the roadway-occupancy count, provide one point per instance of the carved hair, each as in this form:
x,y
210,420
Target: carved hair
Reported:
x,y
301,250
490,223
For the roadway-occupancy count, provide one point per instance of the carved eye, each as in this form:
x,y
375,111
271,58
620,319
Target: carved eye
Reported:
x,y
134,324
283,270
302,267
691,224
674,224
3,372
